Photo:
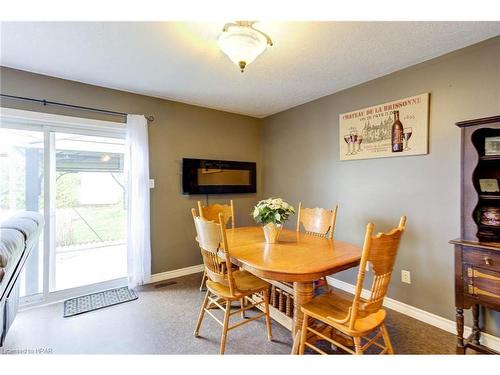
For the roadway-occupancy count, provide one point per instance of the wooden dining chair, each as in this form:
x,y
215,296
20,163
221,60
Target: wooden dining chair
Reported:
x,y
317,221
355,317
211,212
225,285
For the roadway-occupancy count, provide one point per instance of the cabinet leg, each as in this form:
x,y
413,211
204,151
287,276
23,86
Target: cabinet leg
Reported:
x,y
460,331
475,327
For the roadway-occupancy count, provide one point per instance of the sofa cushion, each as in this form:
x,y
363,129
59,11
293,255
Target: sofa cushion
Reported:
x,y
28,223
17,233
12,245
18,236
11,242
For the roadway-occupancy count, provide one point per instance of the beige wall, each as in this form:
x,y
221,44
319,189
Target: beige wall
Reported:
x,y
179,130
302,163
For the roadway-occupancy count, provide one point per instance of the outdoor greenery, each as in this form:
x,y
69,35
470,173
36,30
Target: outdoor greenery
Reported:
x,y
105,223
76,224
13,180
67,186
272,210
79,224
21,187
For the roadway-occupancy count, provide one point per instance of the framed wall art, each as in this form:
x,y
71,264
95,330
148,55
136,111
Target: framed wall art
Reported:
x,y
398,128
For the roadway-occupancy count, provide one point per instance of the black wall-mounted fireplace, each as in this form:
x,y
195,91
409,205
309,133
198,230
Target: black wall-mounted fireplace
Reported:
x,y
202,176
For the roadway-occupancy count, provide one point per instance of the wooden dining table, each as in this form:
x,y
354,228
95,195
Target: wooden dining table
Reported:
x,y
297,258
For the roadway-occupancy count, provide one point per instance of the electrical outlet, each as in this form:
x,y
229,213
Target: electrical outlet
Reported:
x,y
405,277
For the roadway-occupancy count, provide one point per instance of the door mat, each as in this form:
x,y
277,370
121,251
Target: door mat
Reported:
x,y
96,301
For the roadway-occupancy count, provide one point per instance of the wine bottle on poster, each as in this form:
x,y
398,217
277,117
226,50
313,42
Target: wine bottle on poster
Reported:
x,y
397,134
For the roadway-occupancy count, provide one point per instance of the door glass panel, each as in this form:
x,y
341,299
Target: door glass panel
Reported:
x,y
90,212
21,189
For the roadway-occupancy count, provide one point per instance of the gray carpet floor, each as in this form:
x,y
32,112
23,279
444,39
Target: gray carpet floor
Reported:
x,y
162,321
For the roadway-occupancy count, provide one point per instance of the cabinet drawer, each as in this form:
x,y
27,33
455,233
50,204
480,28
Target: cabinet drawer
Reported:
x,y
483,283
489,260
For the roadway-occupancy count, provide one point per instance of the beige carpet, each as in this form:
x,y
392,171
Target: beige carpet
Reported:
x,y
162,320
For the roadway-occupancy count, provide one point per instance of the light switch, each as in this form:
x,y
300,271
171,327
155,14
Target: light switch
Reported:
x,y
151,183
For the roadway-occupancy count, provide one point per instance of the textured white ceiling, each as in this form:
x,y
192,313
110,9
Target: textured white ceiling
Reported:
x,y
181,61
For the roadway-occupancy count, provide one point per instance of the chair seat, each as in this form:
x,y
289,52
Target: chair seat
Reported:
x,y
245,283
336,305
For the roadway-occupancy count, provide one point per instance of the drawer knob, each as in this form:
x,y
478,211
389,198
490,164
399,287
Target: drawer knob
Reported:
x,y
487,260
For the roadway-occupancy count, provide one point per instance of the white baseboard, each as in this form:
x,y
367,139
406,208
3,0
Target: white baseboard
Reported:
x,y
176,273
416,313
30,302
56,297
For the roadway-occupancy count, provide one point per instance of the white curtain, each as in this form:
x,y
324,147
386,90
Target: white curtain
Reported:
x,y
137,166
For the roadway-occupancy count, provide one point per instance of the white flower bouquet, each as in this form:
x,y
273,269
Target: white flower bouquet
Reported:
x,y
272,213
272,210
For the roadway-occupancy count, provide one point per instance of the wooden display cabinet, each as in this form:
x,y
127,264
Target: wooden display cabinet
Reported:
x,y
477,251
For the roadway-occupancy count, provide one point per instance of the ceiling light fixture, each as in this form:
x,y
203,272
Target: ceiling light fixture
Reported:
x,y
242,43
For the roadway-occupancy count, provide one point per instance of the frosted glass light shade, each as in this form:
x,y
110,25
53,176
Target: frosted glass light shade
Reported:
x,y
242,45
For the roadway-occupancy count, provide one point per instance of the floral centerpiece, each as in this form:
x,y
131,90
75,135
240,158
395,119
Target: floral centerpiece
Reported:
x,y
272,213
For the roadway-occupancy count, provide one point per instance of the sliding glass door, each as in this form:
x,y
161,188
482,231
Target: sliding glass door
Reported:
x,y
75,177
90,213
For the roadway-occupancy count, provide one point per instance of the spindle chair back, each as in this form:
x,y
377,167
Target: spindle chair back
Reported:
x,y
380,252
212,240
353,316
211,212
317,221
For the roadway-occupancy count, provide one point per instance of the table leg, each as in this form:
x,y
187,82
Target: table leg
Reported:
x,y
303,292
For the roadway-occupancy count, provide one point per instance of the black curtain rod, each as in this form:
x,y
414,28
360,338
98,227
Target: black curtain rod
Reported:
x,y
72,106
